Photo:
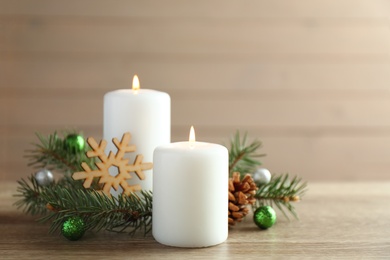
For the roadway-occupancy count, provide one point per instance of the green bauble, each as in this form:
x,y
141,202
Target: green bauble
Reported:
x,y
74,142
264,217
73,228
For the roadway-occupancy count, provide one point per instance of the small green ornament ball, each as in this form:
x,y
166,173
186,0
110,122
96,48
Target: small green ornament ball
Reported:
x,y
74,142
264,217
73,228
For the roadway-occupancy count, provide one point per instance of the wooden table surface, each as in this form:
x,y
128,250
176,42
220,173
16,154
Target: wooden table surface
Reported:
x,y
337,220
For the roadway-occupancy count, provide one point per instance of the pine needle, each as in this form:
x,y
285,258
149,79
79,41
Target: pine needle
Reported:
x,y
56,203
31,201
243,157
51,153
281,192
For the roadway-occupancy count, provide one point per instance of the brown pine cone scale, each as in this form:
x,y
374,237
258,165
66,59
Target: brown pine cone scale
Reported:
x,y
241,194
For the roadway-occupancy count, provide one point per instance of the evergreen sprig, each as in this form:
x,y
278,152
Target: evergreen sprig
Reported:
x,y
281,191
243,157
31,201
98,210
65,199
52,153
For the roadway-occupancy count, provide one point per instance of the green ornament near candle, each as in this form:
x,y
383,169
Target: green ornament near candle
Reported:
x,y
73,228
74,143
264,217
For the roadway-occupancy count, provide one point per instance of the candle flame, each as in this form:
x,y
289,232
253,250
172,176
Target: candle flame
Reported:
x,y
135,83
192,135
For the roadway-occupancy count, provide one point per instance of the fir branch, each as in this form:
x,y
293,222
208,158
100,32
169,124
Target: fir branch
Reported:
x,y
31,202
281,191
98,210
52,153
243,156
68,198
30,192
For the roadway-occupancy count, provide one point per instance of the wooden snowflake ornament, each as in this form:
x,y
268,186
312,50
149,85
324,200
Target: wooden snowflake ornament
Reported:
x,y
113,160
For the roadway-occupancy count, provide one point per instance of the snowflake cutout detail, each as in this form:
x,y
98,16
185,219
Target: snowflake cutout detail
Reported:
x,y
116,160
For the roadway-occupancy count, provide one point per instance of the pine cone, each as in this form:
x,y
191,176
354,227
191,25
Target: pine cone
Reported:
x,y
241,193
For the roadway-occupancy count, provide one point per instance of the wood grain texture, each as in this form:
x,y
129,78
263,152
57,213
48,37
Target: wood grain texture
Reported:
x,y
203,8
81,35
311,79
346,220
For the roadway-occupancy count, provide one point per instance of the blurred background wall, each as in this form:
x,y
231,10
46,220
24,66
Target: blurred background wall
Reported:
x,y
309,78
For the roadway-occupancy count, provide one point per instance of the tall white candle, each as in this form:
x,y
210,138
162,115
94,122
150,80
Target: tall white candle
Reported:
x,y
190,194
146,114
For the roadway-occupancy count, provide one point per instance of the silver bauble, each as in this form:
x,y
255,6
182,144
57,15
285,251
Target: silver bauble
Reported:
x,y
44,177
262,176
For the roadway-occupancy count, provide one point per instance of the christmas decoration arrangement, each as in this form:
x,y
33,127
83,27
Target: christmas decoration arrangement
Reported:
x,y
79,198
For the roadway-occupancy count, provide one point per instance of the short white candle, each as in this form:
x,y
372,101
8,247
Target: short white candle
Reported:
x,y
146,114
190,194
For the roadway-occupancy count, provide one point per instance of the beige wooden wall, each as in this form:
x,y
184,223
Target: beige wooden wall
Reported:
x,y
310,78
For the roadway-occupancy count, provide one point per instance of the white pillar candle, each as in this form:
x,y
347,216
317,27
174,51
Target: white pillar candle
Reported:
x,y
190,194
146,114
